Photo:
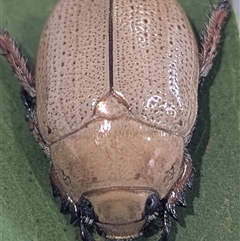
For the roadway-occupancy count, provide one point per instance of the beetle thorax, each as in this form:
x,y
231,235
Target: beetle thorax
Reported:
x,y
117,151
116,162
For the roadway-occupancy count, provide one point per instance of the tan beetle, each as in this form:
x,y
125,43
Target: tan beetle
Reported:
x,y
114,103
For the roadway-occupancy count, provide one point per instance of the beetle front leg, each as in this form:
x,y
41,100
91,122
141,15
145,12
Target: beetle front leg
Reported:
x,y
176,196
67,204
211,37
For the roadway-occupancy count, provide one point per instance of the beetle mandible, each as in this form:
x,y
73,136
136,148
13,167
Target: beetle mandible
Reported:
x,y
114,102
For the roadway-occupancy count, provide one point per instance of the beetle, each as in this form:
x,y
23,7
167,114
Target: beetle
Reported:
x,y
113,102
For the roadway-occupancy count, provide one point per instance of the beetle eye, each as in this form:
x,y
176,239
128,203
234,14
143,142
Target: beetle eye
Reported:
x,y
152,205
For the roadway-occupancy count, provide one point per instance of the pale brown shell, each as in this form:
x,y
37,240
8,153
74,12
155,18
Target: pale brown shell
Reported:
x,y
145,51
127,155
116,98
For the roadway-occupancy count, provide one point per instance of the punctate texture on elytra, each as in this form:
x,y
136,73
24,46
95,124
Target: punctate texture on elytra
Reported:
x,y
148,56
116,89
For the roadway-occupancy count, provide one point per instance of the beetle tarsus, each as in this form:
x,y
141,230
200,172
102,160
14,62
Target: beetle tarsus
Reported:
x,y
85,233
182,200
165,227
28,101
74,218
190,179
171,209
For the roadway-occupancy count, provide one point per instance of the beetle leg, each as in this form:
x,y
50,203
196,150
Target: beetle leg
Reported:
x,y
166,227
31,117
85,233
67,204
211,37
176,195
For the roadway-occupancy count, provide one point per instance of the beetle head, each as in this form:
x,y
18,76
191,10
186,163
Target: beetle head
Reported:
x,y
118,213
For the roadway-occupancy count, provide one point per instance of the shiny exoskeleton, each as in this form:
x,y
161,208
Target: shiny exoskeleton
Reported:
x,y
114,103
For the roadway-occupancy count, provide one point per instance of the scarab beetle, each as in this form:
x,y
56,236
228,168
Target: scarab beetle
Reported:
x,y
114,102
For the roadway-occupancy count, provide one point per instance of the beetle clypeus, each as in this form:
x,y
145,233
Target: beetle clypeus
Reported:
x,y
116,85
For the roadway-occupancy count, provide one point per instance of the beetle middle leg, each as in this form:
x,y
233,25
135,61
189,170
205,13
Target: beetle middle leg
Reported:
x,y
211,37
21,70
176,196
69,206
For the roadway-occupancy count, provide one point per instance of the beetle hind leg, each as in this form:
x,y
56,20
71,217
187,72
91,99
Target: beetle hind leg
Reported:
x,y
211,37
176,196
